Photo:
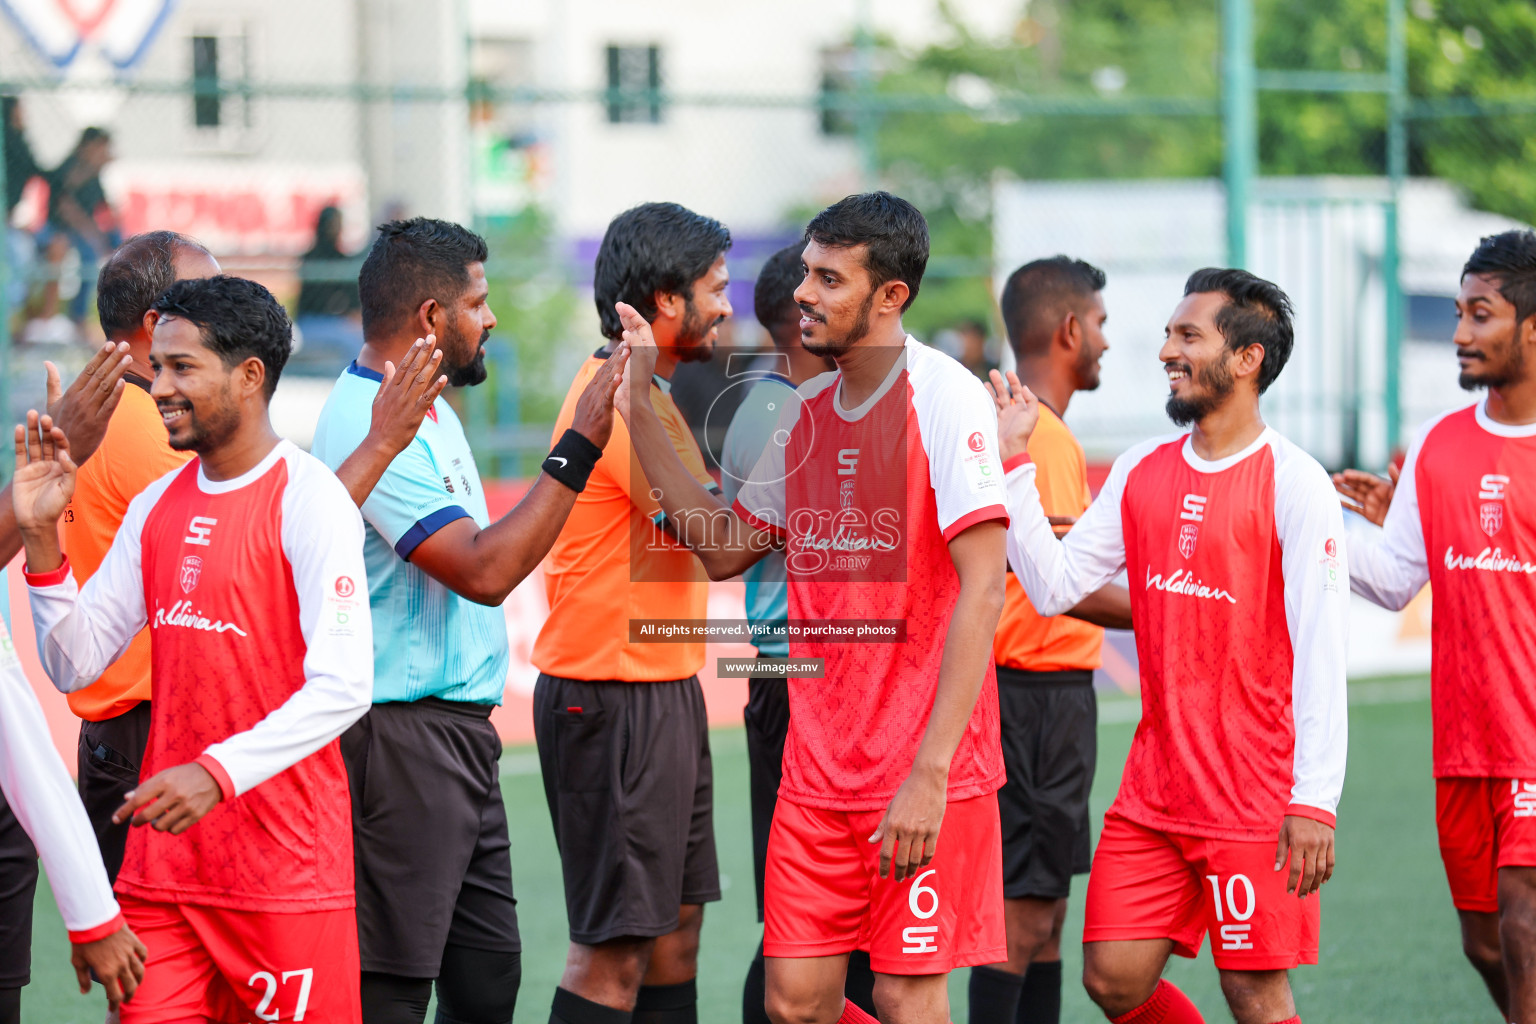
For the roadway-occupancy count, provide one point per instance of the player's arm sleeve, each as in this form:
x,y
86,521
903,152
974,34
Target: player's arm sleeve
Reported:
x,y
82,631
411,502
1057,574
1315,565
38,788
323,539
1388,565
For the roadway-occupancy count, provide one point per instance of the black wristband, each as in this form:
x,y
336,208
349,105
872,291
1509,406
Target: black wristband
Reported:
x,y
571,460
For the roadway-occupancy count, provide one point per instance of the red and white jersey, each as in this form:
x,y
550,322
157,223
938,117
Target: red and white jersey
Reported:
x,y
1463,519
41,794
1239,602
256,596
867,500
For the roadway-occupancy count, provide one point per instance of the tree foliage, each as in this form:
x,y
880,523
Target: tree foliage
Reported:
x,y
1114,61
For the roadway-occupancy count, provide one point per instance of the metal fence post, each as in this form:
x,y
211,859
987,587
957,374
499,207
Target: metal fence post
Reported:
x,y
1239,114
7,363
1397,170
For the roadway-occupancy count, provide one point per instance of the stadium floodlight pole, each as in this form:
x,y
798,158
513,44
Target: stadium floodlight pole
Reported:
x,y
1239,115
1397,171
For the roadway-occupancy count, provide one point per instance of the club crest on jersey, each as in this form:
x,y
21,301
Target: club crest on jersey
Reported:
x,y
1491,517
191,572
1188,534
845,494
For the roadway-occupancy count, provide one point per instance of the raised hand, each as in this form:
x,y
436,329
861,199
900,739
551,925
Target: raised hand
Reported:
x,y
593,418
45,474
642,358
406,395
85,409
1017,413
117,960
1367,493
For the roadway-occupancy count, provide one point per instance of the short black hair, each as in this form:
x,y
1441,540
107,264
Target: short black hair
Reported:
x,y
773,295
237,318
892,229
1257,312
1037,295
1509,256
134,276
412,261
651,248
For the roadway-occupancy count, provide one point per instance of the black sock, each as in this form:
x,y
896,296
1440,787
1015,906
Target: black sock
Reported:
x,y
994,995
477,986
668,1004
859,988
10,1005
570,1008
391,999
754,994
1040,1001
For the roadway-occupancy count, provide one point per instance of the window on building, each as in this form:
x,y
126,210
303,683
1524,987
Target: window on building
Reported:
x,y
206,103
634,84
839,84
1431,318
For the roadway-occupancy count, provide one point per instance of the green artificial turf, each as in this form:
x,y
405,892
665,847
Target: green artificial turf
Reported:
x,y
1390,950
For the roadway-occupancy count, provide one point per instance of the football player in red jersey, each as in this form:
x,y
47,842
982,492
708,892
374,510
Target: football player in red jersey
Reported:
x,y
1230,535
1463,519
882,484
245,563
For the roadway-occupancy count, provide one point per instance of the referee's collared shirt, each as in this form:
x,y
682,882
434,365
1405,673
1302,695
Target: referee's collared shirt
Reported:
x,y
427,640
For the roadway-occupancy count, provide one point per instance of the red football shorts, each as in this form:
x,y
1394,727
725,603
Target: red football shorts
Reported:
x,y
235,966
822,893
1484,824
1148,884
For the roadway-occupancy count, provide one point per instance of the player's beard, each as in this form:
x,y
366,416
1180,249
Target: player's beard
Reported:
x,y
1088,371
207,430
1214,382
468,367
1511,370
832,347
693,344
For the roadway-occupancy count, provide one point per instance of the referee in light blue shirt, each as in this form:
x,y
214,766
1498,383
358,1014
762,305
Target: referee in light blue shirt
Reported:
x,y
434,873
767,712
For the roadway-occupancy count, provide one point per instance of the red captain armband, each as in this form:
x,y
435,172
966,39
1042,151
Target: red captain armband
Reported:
x,y
47,579
1009,465
1315,813
98,933
212,767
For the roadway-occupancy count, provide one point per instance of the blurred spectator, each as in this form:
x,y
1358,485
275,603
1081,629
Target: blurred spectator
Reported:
x,y
977,351
79,217
328,313
20,168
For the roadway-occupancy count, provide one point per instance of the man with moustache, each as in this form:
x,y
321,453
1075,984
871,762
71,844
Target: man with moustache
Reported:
x,y
766,715
1231,537
882,486
1054,313
621,725
434,872
1461,521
